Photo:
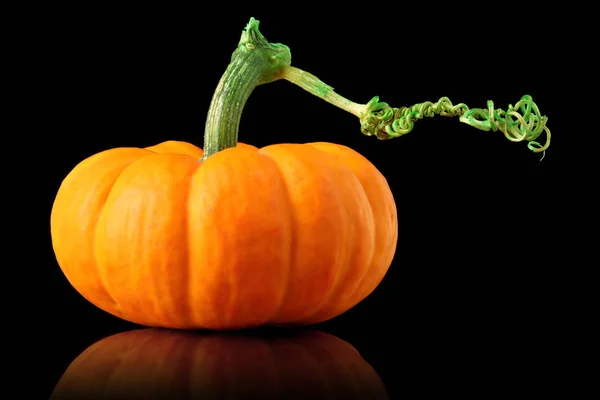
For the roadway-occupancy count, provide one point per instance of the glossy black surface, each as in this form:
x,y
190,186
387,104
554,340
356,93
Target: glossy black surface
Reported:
x,y
470,299
158,363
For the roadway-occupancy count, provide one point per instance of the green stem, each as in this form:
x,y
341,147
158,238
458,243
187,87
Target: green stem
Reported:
x,y
253,63
315,86
256,61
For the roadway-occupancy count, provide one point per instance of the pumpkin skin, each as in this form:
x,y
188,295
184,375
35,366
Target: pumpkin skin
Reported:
x,y
167,364
285,234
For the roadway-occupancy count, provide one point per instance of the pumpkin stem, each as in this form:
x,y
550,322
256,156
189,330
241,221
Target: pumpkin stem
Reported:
x,y
254,62
315,86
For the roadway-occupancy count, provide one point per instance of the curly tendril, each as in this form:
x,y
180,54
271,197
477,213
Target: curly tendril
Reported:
x,y
387,122
526,125
520,122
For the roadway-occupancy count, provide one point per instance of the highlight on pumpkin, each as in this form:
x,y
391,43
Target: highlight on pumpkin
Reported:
x,y
155,363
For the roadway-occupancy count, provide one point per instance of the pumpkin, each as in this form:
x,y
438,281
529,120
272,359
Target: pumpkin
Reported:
x,y
232,237
167,364
288,234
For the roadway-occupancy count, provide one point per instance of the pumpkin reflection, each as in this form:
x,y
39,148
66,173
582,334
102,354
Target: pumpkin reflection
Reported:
x,y
164,364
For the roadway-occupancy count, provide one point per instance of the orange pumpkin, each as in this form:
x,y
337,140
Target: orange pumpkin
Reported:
x,y
164,364
236,237
288,234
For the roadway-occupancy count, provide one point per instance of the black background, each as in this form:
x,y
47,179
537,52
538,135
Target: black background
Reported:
x,y
472,295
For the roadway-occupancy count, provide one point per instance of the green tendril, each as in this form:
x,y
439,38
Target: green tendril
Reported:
x,y
387,122
520,122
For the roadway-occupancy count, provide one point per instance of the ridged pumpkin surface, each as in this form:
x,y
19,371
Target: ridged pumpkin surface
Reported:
x,y
288,234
